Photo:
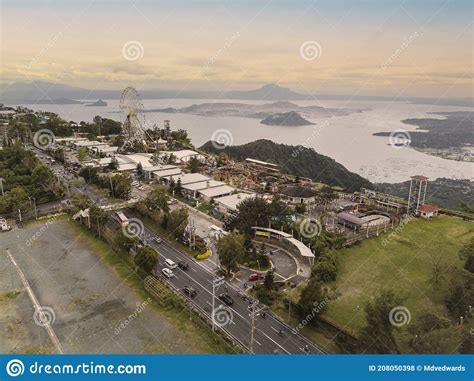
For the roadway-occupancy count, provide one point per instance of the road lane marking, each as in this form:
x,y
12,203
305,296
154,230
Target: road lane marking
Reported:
x,y
36,304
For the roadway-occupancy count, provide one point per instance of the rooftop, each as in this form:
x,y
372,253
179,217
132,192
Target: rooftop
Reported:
x,y
427,208
298,191
202,185
420,178
217,191
352,218
231,201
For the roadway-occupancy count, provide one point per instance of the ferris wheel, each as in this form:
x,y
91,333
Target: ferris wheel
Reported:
x,y
133,117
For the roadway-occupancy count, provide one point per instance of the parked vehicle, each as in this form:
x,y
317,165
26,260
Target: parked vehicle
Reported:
x,y
183,265
226,298
255,277
167,272
188,290
4,227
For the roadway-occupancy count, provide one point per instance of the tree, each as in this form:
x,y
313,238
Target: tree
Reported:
x,y
467,254
438,267
178,186
113,165
156,158
460,293
157,200
377,336
313,299
194,165
81,154
231,249
121,185
269,280
432,334
140,170
146,259
325,271
251,212
177,222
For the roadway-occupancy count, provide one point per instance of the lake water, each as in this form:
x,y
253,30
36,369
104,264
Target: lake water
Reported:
x,y
347,139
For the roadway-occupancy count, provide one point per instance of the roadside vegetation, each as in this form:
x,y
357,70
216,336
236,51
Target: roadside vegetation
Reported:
x,y
24,177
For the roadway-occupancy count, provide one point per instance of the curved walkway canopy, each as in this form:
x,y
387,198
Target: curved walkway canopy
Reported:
x,y
304,250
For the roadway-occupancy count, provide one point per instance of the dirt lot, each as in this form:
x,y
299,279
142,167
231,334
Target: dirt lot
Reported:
x,y
89,300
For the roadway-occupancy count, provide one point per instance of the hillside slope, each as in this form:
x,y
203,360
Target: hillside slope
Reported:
x,y
296,160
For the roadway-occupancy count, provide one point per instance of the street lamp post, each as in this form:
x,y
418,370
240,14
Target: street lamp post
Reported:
x,y
34,206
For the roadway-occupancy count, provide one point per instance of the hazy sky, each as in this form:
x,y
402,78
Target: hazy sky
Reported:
x,y
415,47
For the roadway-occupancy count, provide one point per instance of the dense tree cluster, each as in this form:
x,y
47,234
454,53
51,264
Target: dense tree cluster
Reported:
x,y
25,177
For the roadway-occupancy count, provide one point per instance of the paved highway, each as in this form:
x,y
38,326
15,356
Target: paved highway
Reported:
x,y
235,319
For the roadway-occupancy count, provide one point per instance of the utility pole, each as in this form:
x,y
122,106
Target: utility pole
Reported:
x,y
34,206
215,283
253,313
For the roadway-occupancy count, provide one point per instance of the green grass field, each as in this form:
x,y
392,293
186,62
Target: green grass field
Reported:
x,y
404,264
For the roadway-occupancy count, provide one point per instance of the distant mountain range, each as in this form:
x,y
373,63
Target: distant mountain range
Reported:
x,y
41,92
296,160
278,113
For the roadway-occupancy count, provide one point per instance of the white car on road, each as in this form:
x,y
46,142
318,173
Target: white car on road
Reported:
x,y
167,272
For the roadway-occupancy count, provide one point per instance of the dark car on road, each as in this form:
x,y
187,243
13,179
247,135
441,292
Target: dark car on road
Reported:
x,y
188,290
183,265
226,298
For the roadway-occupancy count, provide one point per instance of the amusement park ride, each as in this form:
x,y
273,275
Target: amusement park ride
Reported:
x,y
133,120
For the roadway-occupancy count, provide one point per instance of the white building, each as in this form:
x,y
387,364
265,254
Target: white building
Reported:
x,y
209,194
227,205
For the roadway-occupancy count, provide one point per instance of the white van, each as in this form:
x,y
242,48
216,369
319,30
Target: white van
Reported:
x,y
170,264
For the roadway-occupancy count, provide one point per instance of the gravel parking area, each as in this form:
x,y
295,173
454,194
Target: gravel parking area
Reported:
x,y
93,309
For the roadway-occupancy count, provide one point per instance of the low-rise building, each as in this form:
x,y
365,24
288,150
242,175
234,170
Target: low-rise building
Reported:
x,y
297,194
227,205
427,211
209,194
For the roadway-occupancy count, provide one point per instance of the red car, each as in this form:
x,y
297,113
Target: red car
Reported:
x,y
255,276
